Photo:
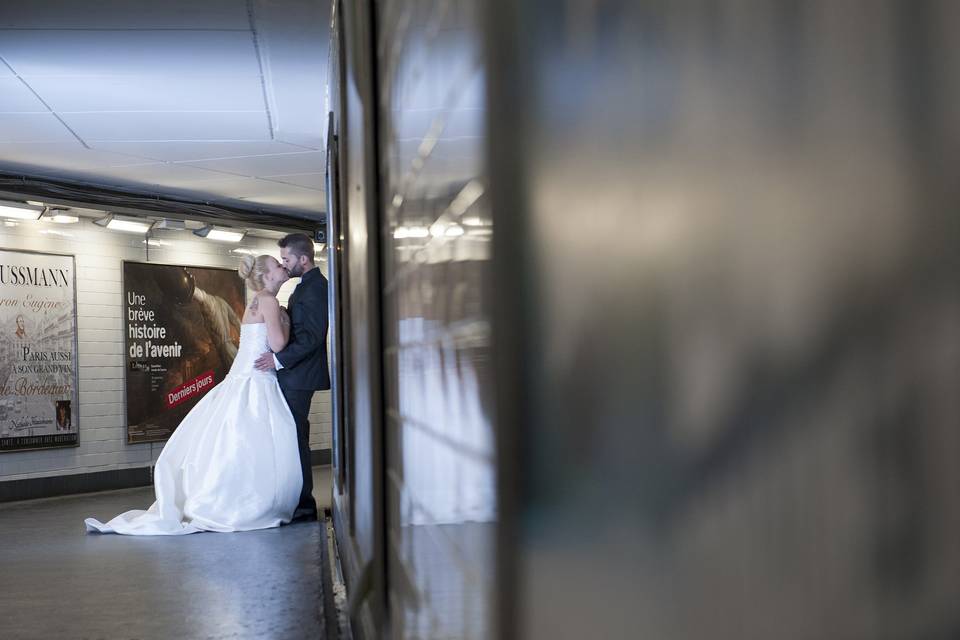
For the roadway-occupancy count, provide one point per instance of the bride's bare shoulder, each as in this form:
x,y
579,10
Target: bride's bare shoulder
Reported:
x,y
268,300
260,302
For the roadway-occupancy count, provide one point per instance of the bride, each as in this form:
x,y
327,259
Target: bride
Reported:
x,y
233,463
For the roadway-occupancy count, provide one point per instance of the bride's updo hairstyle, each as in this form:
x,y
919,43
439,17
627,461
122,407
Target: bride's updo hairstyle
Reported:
x,y
252,270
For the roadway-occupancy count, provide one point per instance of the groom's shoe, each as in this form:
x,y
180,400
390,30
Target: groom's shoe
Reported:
x,y
303,514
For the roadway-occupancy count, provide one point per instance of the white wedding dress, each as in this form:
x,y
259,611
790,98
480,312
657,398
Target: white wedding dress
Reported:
x,y
231,465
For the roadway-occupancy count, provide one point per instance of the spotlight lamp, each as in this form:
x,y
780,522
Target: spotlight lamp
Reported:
x,y
20,210
222,234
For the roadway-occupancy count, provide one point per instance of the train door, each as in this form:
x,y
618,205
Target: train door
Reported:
x,y
358,501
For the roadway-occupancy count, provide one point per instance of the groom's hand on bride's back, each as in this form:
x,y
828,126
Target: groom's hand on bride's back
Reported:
x,y
265,362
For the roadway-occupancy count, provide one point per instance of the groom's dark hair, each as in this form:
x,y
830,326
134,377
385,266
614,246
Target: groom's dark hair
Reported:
x,y
299,244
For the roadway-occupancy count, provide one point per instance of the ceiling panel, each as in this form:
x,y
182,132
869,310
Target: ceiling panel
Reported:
x,y
191,151
134,53
32,127
255,190
91,174
16,97
276,191
236,186
308,180
170,126
280,197
259,166
161,173
293,197
149,93
297,69
166,98
124,14
63,155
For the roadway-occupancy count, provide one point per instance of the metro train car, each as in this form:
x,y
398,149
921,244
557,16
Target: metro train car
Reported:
x,y
646,318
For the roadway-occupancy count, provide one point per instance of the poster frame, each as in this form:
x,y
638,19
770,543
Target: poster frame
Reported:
x,y
124,321
76,350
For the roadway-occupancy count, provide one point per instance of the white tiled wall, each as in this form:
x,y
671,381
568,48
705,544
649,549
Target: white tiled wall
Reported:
x,y
99,253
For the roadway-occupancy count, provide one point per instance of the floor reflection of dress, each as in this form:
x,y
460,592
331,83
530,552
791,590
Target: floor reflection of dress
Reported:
x,y
444,401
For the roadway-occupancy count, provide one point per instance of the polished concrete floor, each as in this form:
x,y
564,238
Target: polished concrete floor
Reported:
x,y
57,581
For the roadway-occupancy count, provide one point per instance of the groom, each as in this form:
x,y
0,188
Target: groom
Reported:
x,y
302,364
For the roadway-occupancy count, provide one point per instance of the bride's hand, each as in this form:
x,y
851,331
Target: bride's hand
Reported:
x,y
265,362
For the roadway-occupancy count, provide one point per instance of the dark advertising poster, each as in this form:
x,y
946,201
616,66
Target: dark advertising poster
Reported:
x,y
38,356
182,329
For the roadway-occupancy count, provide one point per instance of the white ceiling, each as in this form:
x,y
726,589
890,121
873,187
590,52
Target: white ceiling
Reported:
x,y
220,100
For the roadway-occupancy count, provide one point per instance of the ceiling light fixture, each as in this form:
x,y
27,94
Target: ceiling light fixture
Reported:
x,y
124,223
171,224
20,210
60,216
222,234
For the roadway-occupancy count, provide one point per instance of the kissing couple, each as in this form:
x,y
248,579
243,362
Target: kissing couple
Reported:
x,y
240,459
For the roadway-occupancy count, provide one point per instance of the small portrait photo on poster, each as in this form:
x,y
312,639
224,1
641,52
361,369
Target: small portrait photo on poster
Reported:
x,y
63,415
21,331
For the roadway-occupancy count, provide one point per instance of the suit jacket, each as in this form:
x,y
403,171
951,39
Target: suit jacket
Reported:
x,y
304,359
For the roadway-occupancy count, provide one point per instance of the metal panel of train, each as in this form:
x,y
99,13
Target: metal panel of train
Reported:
x,y
650,318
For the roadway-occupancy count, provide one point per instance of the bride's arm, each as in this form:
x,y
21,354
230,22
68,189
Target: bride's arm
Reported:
x,y
276,336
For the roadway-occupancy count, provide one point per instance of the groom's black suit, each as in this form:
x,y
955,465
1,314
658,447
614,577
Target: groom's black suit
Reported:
x,y
304,361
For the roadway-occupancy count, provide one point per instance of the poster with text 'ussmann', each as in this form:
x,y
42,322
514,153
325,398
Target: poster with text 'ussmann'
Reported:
x,y
181,330
38,351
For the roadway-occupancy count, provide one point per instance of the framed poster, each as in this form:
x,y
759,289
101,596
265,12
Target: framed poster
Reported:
x,y
181,333
38,351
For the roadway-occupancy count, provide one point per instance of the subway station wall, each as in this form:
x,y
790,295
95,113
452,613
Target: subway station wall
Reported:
x,y
99,254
